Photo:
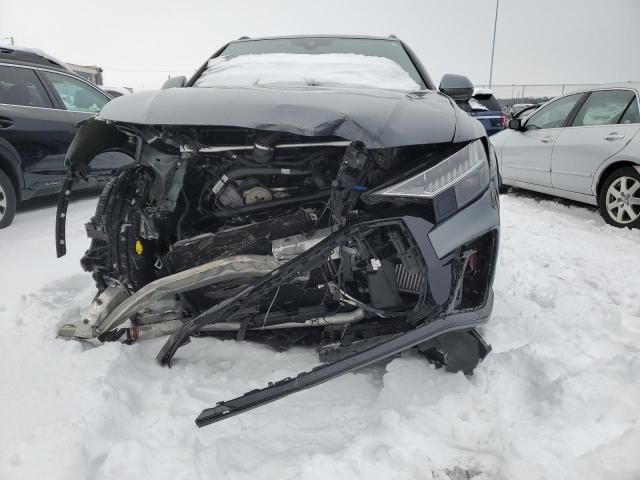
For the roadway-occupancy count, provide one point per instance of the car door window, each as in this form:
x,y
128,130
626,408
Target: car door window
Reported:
x,y
603,107
75,94
632,115
554,114
21,86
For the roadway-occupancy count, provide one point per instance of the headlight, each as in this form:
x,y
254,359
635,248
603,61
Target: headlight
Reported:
x,y
466,171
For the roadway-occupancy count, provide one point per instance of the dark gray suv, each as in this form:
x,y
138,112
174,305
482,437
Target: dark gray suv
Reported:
x,y
41,101
295,190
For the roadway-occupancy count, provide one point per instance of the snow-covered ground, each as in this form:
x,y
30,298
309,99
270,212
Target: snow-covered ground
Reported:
x,y
559,397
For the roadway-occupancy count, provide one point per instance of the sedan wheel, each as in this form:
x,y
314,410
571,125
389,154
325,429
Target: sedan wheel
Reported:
x,y
3,202
620,198
7,200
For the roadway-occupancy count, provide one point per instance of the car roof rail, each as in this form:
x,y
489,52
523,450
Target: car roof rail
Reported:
x,y
30,55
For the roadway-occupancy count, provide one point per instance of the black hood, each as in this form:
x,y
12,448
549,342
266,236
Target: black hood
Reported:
x,y
378,118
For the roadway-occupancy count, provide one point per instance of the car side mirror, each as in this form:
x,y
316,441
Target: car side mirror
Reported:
x,y
175,82
515,124
458,87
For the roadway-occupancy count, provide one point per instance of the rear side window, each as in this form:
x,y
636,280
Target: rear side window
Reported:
x,y
603,107
77,95
632,115
21,86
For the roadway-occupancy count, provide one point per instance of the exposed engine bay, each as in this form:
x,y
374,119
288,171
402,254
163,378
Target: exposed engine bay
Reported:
x,y
284,238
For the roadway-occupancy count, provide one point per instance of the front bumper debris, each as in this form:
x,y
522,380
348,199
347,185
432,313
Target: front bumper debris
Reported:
x,y
324,373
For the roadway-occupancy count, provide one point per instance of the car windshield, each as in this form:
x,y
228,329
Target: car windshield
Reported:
x,y
525,111
520,108
358,62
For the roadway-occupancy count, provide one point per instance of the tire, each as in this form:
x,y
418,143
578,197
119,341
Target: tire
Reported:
x,y
112,253
8,200
619,198
502,188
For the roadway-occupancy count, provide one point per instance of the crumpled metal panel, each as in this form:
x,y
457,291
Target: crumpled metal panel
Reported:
x,y
378,118
223,269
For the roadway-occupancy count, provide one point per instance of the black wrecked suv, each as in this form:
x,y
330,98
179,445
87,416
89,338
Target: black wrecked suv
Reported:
x,y
295,190
41,101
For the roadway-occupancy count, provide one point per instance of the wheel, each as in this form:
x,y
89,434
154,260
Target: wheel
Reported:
x,y
8,200
502,188
113,232
619,200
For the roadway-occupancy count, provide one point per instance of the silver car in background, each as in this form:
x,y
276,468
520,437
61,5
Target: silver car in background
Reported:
x,y
583,146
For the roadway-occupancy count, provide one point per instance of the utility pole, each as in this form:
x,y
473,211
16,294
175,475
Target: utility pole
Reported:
x,y
493,44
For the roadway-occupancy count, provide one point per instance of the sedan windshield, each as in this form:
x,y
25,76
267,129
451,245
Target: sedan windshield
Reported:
x,y
358,62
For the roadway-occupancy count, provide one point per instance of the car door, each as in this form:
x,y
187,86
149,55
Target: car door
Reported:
x,y
595,134
82,100
526,154
31,124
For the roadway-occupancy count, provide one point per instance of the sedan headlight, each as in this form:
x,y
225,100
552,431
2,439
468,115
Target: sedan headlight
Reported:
x,y
466,171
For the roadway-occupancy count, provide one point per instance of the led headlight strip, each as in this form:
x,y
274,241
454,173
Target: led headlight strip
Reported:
x,y
467,171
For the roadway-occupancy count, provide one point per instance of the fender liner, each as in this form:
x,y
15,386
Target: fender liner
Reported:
x,y
93,137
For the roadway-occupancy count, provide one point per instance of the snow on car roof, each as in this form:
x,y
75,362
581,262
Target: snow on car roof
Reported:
x,y
331,70
482,91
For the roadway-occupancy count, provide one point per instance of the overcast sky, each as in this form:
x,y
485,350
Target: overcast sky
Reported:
x,y
139,43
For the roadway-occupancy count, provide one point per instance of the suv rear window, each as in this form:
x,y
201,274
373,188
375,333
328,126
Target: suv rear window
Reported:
x,y
491,103
369,47
21,86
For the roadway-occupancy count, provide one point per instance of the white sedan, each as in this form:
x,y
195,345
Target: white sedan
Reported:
x,y
583,146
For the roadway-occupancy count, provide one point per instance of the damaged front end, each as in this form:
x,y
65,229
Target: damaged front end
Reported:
x,y
327,234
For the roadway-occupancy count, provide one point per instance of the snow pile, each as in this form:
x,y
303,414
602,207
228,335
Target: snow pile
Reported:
x,y
557,398
328,70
